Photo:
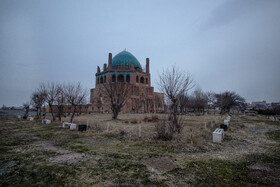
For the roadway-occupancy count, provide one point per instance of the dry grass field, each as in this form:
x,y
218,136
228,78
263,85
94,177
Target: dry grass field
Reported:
x,y
111,153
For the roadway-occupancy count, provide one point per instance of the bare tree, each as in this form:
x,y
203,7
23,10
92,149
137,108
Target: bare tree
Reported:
x,y
117,93
211,100
200,100
183,102
51,91
174,83
75,95
60,100
26,107
227,100
37,100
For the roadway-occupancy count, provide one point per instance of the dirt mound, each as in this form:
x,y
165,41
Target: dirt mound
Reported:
x,y
70,158
47,146
159,165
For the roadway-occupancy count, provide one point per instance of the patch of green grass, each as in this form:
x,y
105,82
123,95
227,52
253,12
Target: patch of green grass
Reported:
x,y
218,172
274,135
119,155
268,122
80,148
41,175
125,172
271,158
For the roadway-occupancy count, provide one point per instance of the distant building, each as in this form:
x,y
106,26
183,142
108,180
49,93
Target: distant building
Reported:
x,y
275,105
124,67
257,105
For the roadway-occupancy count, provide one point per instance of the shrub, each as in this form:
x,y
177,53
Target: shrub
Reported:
x,y
154,118
164,129
134,121
146,119
96,127
123,133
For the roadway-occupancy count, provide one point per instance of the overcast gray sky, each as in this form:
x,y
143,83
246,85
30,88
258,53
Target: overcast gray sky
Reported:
x,y
224,44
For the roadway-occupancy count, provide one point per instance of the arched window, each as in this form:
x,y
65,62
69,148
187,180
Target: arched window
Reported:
x,y
97,80
120,78
147,81
127,78
105,79
101,80
137,78
142,79
113,78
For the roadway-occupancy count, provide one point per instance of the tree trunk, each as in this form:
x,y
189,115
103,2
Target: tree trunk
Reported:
x,y
73,114
115,113
51,111
60,112
37,113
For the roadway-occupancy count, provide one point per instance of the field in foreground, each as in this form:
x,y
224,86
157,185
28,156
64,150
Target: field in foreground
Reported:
x,y
111,153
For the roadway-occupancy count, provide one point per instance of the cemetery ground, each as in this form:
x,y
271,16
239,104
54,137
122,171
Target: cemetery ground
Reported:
x,y
111,153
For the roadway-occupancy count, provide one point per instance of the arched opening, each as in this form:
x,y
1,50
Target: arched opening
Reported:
x,y
147,81
97,80
113,78
105,79
127,78
120,78
142,80
101,80
137,78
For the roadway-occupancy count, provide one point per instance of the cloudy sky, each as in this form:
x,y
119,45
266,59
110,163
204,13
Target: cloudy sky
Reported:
x,y
224,44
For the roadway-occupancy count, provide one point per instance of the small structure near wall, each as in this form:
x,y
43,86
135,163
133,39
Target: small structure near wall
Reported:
x,y
46,121
218,135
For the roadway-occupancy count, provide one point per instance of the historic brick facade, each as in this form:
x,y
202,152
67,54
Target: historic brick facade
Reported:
x,y
124,67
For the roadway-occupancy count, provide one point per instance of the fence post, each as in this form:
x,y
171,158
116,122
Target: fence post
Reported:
x,y
108,126
191,137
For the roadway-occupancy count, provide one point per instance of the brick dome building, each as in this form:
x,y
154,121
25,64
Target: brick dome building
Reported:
x,y
124,67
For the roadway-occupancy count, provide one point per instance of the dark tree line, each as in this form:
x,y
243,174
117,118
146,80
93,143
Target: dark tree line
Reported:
x,y
59,95
200,101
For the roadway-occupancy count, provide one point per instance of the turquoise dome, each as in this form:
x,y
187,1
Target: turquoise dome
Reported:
x,y
125,58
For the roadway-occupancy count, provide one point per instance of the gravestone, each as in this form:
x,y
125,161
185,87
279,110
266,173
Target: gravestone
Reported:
x,y
66,125
72,126
218,135
46,121
226,122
